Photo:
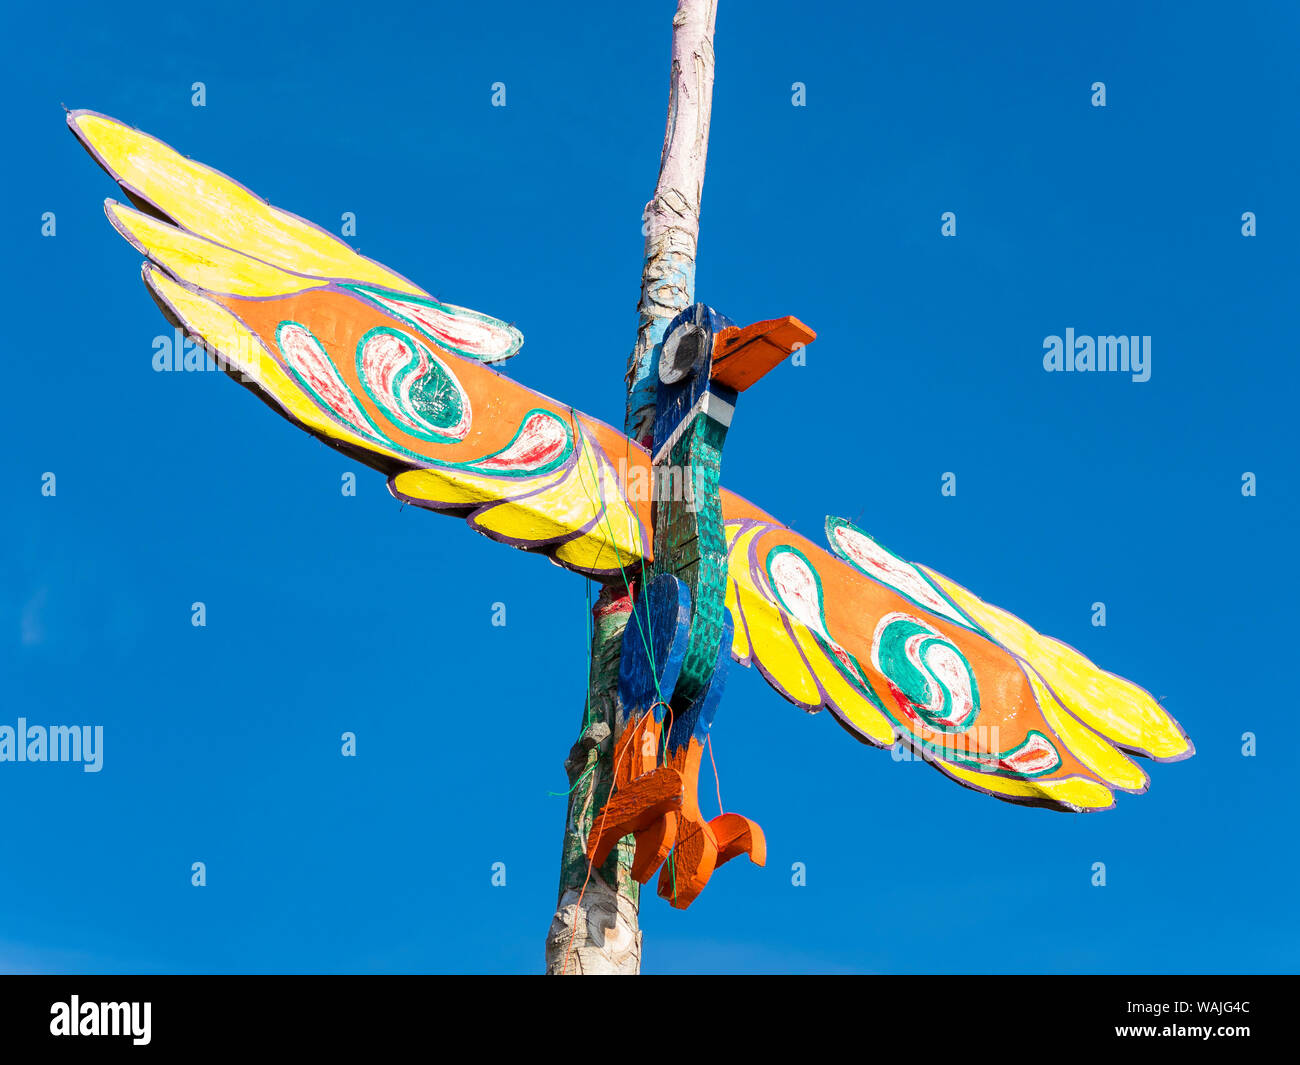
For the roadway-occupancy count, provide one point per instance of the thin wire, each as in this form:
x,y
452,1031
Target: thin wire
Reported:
x,y
654,673
721,809
672,857
586,598
577,908
646,643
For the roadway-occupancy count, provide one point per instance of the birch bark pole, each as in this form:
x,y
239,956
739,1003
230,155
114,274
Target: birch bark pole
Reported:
x,y
600,935
672,218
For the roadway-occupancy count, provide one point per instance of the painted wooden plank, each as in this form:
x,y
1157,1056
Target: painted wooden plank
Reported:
x,y
742,356
324,335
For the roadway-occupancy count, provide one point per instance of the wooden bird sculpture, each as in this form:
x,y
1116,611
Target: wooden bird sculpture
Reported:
x,y
372,365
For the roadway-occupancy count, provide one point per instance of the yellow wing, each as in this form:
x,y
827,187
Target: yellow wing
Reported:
x,y
360,357
904,657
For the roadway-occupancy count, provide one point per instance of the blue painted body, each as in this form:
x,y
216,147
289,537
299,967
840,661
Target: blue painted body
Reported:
x,y
654,644
657,635
644,382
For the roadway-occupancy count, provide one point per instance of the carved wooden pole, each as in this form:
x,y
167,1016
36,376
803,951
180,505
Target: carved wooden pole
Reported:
x,y
673,216
600,935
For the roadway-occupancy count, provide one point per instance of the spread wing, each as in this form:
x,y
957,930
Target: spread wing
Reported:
x,y
902,655
374,366
366,361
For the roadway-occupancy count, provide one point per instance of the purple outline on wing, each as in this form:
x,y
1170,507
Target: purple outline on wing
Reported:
x,y
1141,752
140,199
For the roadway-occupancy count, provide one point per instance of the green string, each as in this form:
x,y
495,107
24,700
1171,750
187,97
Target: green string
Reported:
x,y
558,794
586,598
618,555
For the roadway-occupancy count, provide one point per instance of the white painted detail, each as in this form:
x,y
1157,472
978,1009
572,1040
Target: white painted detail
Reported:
x,y
716,408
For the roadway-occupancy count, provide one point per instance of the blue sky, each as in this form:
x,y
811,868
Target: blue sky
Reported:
x,y
222,743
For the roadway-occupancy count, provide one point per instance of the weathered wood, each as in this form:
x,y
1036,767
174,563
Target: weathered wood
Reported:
x,y
634,807
898,653
653,845
695,854
594,930
739,835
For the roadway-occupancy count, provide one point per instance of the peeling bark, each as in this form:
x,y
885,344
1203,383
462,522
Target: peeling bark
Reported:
x,y
673,216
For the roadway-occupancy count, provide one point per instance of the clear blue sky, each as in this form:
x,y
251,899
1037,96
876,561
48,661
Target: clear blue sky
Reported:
x,y
222,743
